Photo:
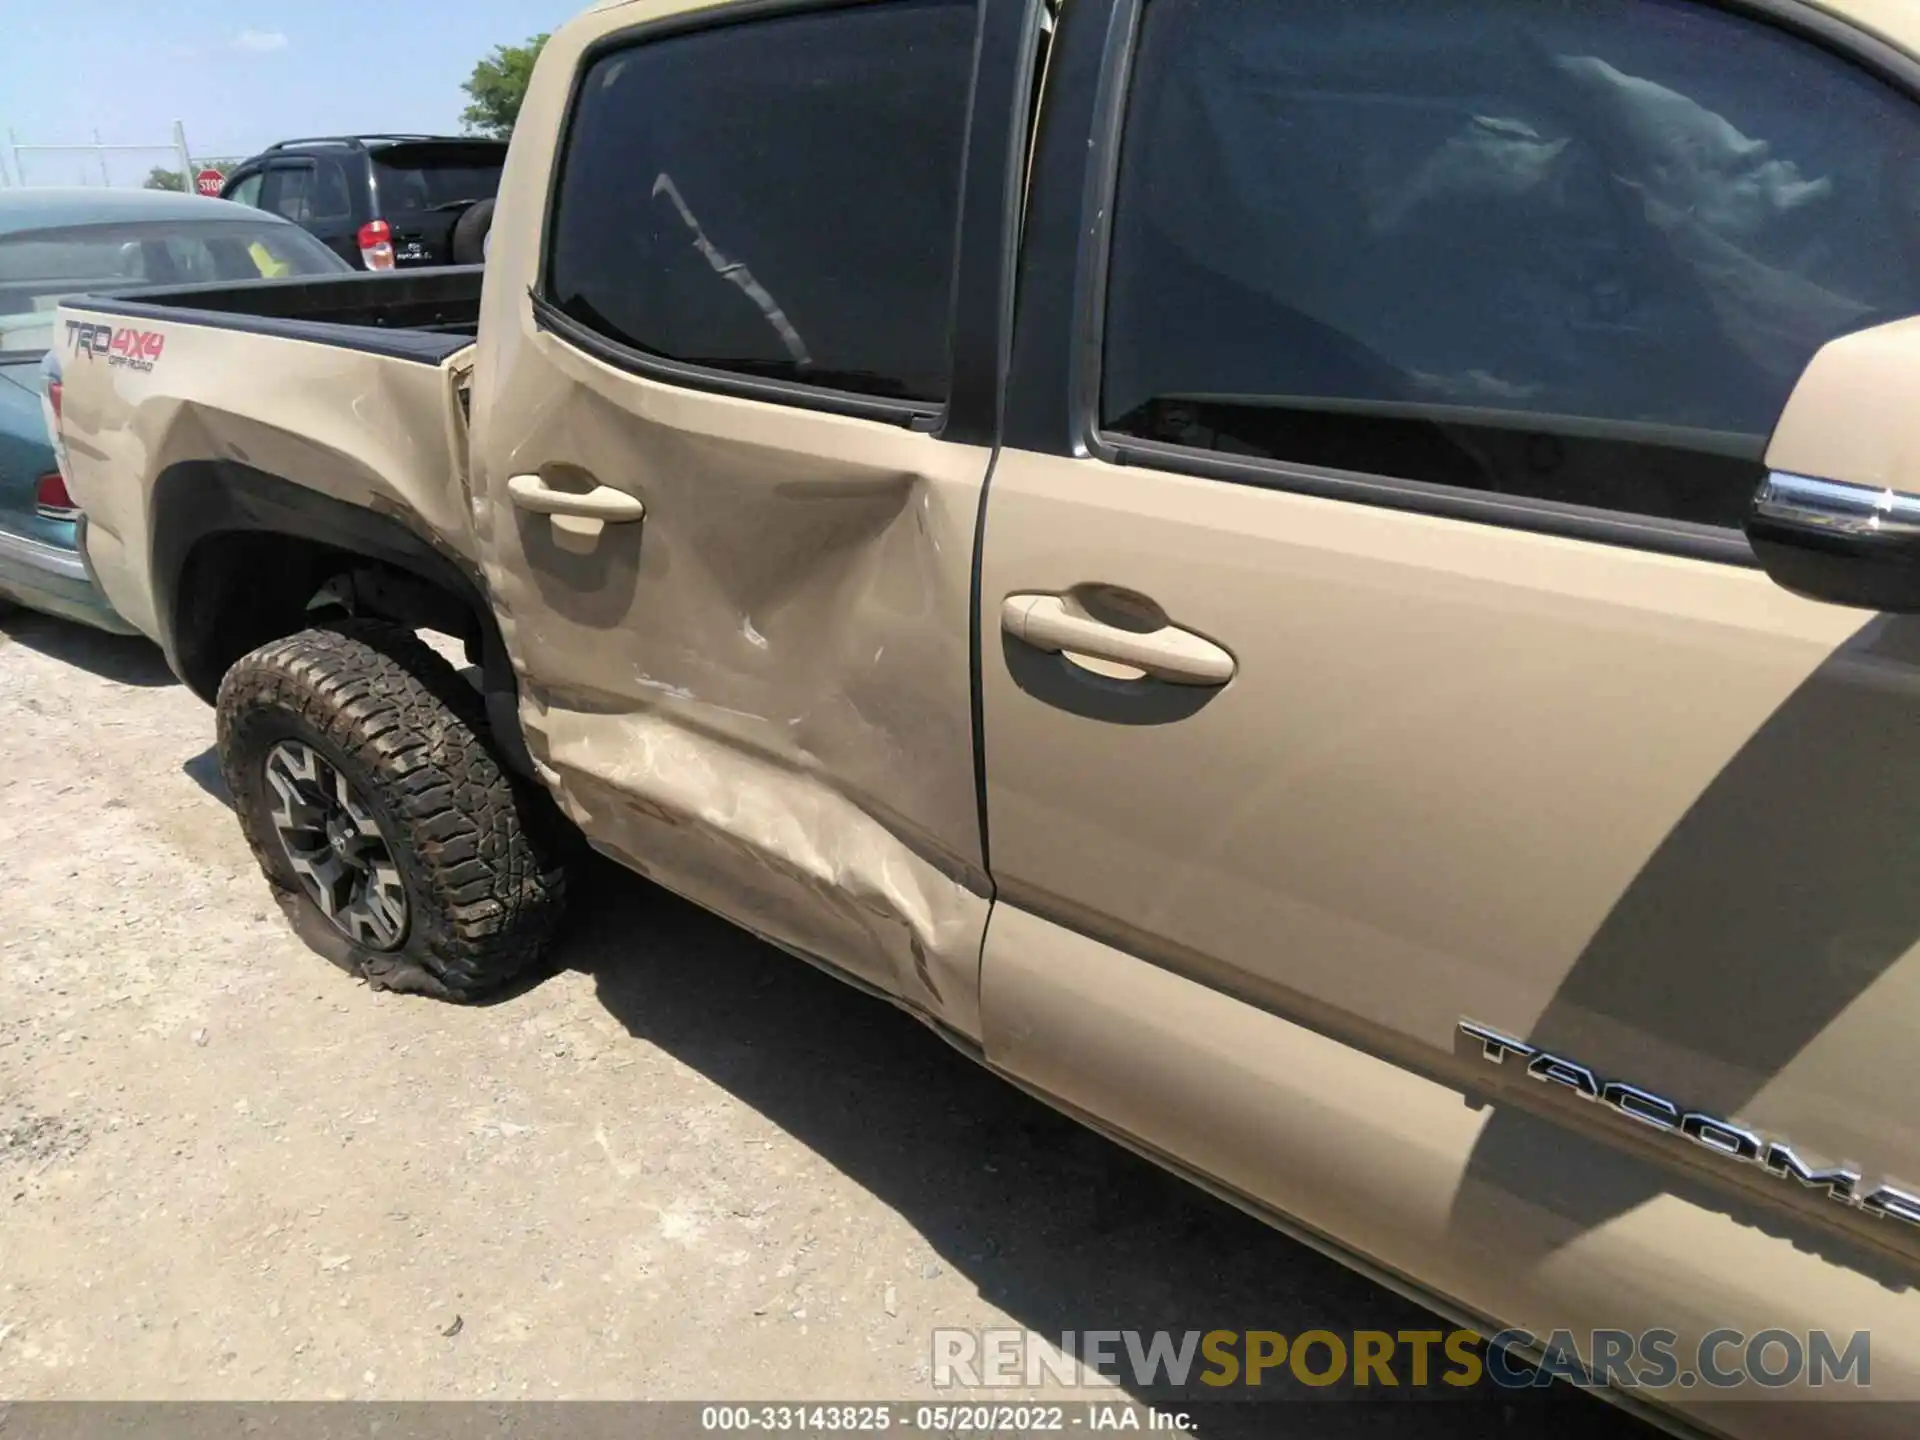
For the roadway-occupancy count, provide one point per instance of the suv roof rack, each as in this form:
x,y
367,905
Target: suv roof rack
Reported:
x,y
359,142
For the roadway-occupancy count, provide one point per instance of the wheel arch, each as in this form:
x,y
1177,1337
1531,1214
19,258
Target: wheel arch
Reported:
x,y
240,554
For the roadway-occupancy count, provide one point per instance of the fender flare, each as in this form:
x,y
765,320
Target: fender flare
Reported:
x,y
197,500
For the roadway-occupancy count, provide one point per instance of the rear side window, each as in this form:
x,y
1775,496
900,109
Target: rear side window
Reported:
x,y
774,198
310,192
412,180
1573,250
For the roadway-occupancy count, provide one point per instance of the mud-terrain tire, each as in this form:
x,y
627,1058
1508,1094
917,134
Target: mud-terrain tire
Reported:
x,y
362,769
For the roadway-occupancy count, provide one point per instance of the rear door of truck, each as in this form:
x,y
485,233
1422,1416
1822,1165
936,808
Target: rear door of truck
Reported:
x,y
732,441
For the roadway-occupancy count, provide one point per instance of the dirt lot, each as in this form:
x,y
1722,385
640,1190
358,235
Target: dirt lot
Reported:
x,y
684,1166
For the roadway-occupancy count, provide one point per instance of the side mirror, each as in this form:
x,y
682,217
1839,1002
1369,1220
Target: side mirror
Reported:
x,y
1838,519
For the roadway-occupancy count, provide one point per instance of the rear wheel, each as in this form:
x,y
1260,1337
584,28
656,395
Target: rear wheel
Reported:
x,y
368,787
335,847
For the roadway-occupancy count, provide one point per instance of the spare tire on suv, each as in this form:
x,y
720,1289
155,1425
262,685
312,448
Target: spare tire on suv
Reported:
x,y
470,233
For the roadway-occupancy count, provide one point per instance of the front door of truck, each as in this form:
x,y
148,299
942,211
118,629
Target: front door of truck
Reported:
x,y
728,529
1370,643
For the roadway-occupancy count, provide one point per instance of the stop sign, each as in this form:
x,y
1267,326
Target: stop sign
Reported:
x,y
207,182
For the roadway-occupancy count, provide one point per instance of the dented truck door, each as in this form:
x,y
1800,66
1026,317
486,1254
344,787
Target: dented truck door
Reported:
x,y
727,525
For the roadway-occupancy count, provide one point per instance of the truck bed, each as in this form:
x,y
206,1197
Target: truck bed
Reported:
x,y
345,394
424,315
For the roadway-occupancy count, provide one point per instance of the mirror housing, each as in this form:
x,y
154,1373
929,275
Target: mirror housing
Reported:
x,y
1838,519
1845,544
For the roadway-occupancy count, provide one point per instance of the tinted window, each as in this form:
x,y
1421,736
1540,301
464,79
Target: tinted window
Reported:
x,y
309,193
415,181
1577,250
39,268
775,198
247,190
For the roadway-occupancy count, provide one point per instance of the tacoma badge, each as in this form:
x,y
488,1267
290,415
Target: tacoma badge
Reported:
x,y
1841,1182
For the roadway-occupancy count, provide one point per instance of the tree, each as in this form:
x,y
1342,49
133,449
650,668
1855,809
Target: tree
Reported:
x,y
161,178
497,86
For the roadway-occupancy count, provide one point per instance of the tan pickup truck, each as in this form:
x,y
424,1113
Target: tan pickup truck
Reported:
x,y
1326,587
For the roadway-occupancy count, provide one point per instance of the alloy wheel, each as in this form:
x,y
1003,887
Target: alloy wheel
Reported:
x,y
336,847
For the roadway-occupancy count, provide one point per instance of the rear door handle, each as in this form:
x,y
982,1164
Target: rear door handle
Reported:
x,y
603,502
1169,653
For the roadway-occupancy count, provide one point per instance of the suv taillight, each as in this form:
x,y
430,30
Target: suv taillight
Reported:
x,y
376,245
51,500
53,399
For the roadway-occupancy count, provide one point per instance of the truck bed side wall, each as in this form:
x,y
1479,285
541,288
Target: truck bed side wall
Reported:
x,y
367,430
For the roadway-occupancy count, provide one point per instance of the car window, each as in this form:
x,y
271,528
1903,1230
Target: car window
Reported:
x,y
415,179
64,256
310,192
776,197
40,268
331,199
246,252
1578,252
247,190
289,192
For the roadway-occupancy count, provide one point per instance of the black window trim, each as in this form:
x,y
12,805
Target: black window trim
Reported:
x,y
280,167
915,414
1838,36
726,382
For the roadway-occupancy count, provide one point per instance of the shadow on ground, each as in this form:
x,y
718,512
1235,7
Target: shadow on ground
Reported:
x,y
127,659
204,770
1058,1227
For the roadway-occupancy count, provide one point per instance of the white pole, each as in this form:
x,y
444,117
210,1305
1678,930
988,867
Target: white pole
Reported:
x,y
101,150
19,160
186,158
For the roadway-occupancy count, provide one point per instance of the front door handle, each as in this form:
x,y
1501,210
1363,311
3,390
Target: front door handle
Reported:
x,y
603,502
1169,653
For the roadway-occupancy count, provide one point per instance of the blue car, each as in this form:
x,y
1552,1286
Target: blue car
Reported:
x,y
58,242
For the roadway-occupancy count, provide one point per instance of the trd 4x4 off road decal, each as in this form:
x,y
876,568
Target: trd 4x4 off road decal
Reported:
x,y
135,349
1776,1157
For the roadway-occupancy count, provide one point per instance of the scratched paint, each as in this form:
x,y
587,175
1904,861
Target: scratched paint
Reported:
x,y
760,694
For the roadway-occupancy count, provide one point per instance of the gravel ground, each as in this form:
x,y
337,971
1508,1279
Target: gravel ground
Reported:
x,y
684,1166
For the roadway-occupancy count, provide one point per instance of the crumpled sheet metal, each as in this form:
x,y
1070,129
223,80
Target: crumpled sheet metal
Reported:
x,y
775,848
760,694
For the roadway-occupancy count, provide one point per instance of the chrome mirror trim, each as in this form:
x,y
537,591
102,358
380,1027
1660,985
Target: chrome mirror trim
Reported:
x,y
1838,508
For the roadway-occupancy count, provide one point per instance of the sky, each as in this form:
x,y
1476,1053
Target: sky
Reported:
x,y
239,75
